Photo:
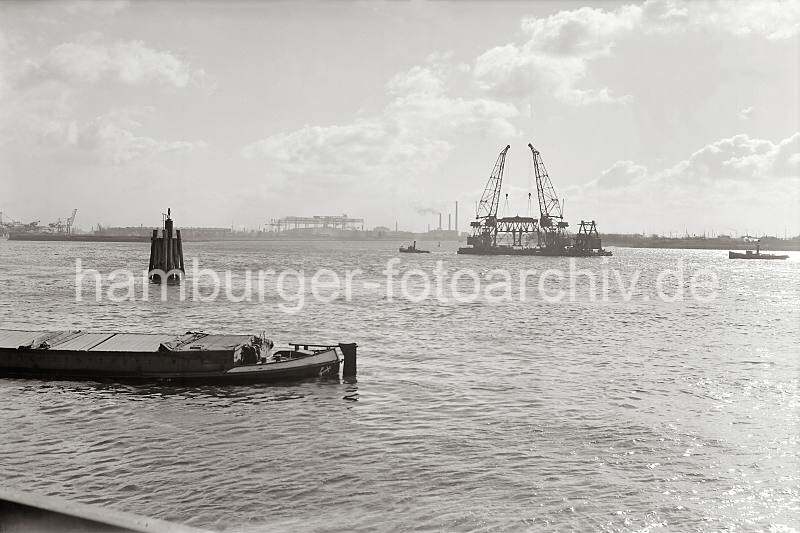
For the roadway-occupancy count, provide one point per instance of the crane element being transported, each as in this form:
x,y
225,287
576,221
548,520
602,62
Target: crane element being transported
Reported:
x,y
490,201
518,235
485,223
553,228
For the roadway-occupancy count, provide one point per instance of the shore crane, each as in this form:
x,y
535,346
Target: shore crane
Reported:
x,y
71,221
65,226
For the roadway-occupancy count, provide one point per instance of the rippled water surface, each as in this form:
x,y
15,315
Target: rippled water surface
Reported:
x,y
516,415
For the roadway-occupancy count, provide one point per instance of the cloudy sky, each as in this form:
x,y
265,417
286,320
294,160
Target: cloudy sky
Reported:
x,y
659,116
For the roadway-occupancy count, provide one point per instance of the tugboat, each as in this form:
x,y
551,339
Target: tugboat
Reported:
x,y
758,255
412,249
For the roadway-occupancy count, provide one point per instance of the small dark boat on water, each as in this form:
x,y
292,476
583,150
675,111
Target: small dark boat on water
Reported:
x,y
194,356
412,249
757,255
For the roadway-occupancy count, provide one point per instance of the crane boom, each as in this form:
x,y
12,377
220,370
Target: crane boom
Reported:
x,y
490,200
71,220
549,205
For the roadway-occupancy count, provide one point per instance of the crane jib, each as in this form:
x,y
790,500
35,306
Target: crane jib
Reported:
x,y
490,199
549,204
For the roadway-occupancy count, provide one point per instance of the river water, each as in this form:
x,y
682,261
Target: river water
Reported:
x,y
615,413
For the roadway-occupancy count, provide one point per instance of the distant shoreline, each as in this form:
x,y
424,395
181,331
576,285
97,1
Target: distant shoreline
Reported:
x,y
637,241
140,238
617,240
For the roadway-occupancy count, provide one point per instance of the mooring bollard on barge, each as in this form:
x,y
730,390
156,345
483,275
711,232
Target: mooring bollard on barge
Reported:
x,y
349,350
350,363
166,254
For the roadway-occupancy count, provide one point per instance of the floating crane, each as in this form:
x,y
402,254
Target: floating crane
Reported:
x,y
515,235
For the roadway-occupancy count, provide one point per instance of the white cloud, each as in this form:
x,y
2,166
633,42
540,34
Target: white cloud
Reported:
x,y
745,113
555,57
584,32
112,138
418,80
757,179
621,174
42,101
774,20
105,7
740,158
132,62
512,71
400,145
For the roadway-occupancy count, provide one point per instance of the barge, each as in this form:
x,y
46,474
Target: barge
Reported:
x,y
193,356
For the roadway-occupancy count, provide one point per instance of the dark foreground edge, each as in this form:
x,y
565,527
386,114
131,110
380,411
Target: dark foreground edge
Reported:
x,y
24,512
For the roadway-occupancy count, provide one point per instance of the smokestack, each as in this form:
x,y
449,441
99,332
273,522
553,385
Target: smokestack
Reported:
x,y
449,222
395,226
456,228
440,221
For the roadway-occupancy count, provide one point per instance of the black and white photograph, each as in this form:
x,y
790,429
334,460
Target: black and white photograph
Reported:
x,y
389,266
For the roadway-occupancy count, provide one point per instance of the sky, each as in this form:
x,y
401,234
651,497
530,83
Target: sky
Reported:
x,y
657,117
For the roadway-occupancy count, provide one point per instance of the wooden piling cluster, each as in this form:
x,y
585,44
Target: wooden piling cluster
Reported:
x,y
166,254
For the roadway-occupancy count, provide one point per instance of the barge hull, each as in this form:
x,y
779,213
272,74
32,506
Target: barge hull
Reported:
x,y
148,357
537,252
330,368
